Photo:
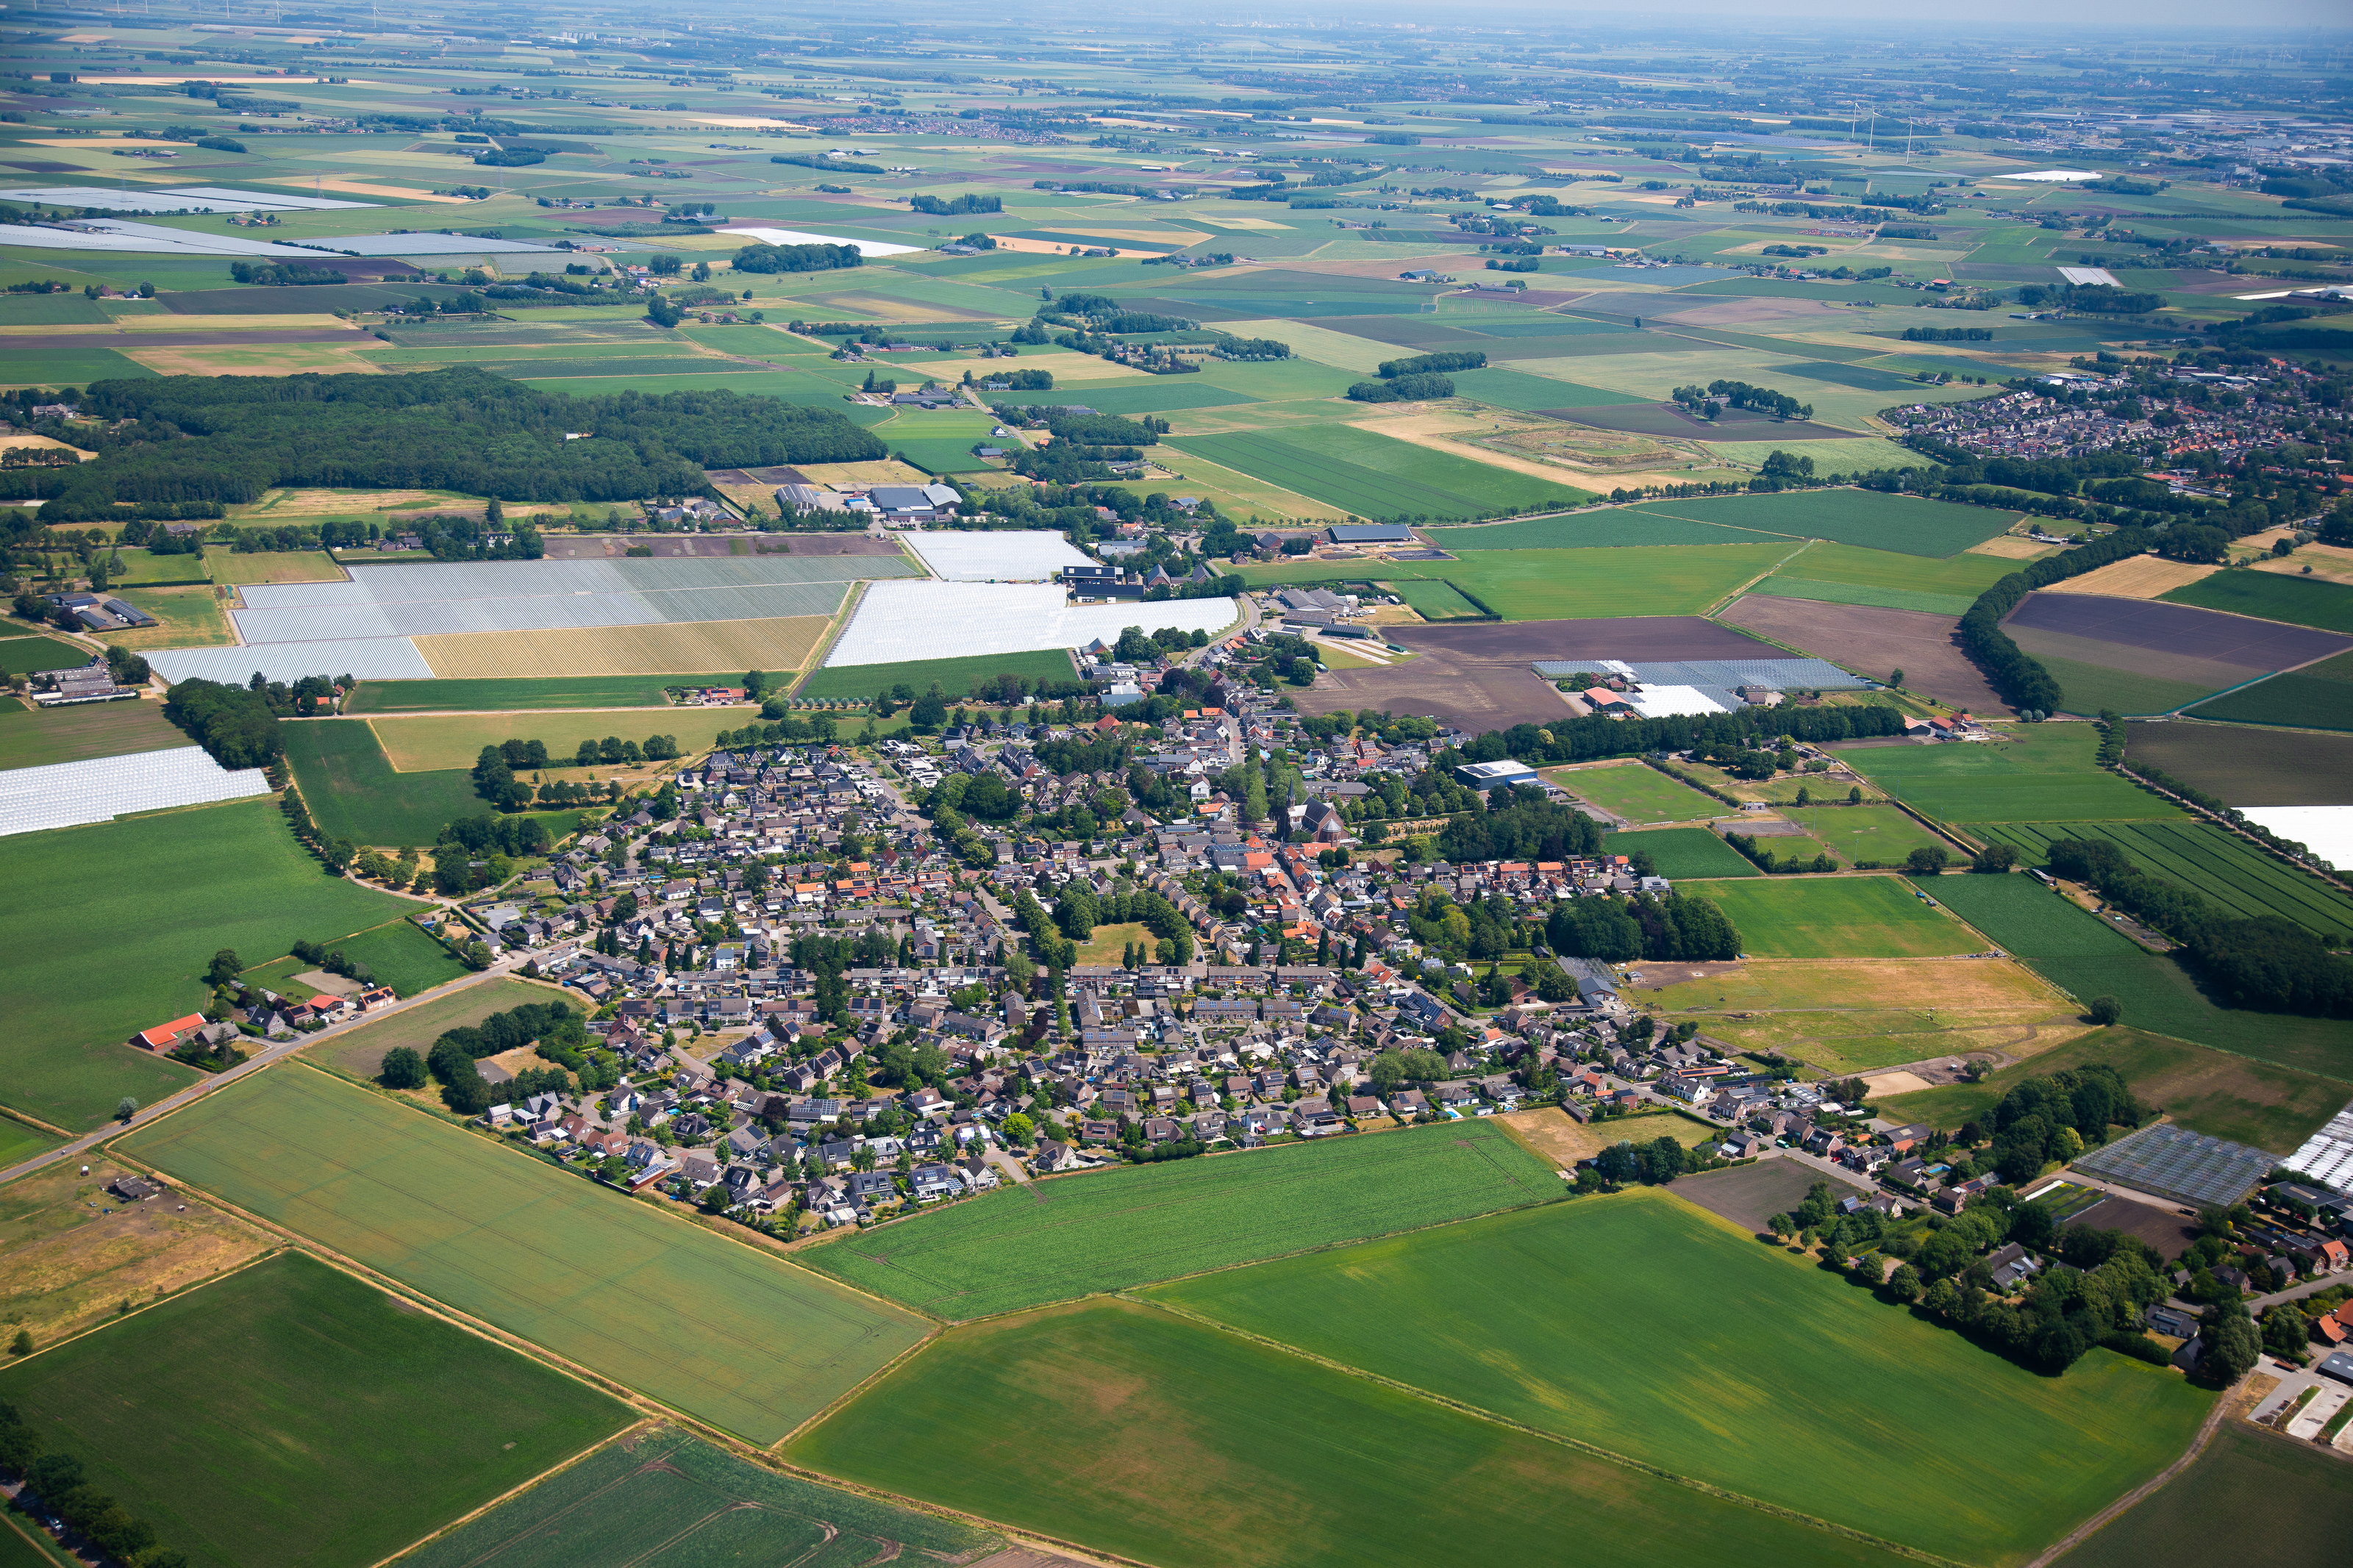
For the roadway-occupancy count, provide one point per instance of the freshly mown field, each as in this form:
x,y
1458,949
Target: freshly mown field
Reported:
x,y
1838,917
1581,1320
1379,475
35,737
1852,832
353,791
1172,1443
2268,596
402,957
956,678
2226,869
2045,773
227,876
1566,584
1683,852
574,692
2078,952
662,1498
1635,792
2246,766
2297,1489
1076,1236
1905,524
723,1331
2318,696
2208,1091
360,1051
257,1421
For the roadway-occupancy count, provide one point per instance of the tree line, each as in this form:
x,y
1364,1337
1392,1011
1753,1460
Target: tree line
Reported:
x,y
58,1483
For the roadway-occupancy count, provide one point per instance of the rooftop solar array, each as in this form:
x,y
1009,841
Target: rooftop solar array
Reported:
x,y
900,621
68,795
999,557
2187,1167
2327,1155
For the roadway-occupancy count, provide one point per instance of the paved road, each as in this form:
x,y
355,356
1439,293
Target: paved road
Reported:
x,y
267,1056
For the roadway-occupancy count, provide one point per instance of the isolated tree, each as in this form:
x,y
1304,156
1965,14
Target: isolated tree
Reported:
x,y
125,1108
225,966
1854,795
1897,679
23,1343
402,1069
2104,1010
1928,860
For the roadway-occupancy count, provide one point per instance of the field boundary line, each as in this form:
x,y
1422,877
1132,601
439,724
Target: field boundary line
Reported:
x,y
1578,1445
11,1114
833,633
230,1272
864,1384
2108,1515
1710,613
648,1425
2332,879
41,1540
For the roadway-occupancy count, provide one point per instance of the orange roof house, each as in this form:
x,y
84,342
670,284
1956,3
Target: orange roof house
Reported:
x,y
163,1035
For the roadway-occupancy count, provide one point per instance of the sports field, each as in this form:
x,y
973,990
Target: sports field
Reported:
x,y
954,677
35,737
558,691
401,956
2045,773
2318,696
2243,1473
2229,872
2268,596
1076,1236
255,1422
661,1497
1838,917
1379,475
1634,791
2076,949
1907,525
1581,1320
1852,832
227,876
2206,1091
1173,1443
1683,852
718,1330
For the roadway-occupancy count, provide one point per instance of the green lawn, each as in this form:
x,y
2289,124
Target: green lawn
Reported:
x,y
20,1141
1379,475
957,678
255,1422
2298,1490
1907,525
1567,585
1080,1235
2226,869
33,737
2074,949
1649,1327
1635,792
671,1498
2272,597
1678,852
30,655
1171,1443
1881,833
402,957
1435,599
227,876
2206,1091
722,1330
549,691
1838,917
353,792
2044,772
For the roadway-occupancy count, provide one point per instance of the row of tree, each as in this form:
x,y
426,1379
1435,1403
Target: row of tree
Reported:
x,y
58,1483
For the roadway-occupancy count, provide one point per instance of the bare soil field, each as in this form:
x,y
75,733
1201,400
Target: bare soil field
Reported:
x,y
1552,1134
1669,419
2011,547
2181,630
2139,577
1475,695
1877,641
2169,1232
2249,765
780,643
1633,639
1749,1196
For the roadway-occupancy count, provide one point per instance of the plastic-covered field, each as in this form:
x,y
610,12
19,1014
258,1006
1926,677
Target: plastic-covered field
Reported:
x,y
898,622
995,557
66,794
368,659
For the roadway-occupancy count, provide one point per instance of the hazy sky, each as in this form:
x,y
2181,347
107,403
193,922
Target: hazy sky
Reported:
x,y
2194,19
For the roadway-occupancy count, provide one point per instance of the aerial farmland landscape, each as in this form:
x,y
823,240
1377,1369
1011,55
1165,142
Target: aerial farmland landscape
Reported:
x,y
803,787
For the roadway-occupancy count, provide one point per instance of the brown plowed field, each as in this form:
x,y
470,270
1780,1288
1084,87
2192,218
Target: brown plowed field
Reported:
x,y
2247,765
2183,630
2169,1233
1866,638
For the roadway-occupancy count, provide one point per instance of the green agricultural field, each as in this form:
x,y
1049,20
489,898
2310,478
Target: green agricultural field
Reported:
x,y
1782,587
360,1051
2090,689
1566,585
957,678
2272,597
1603,529
1077,1236
1500,387
2248,766
426,745
1852,832
254,1422
2243,1473
402,957
1169,1442
1379,475
2317,697
2206,1091
225,876
2043,773
31,655
1580,1320
1907,525
663,1497
33,737
1962,577
566,1263
2229,872
2074,949
551,691
1435,599
1683,852
353,792
19,1141
1838,917
1634,791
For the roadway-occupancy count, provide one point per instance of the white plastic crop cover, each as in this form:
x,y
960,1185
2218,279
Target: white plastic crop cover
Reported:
x,y
998,557
66,794
901,621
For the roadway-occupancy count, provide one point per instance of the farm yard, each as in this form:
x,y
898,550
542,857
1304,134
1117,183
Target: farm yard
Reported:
x,y
1650,1364
253,1418
567,1264
1079,1235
